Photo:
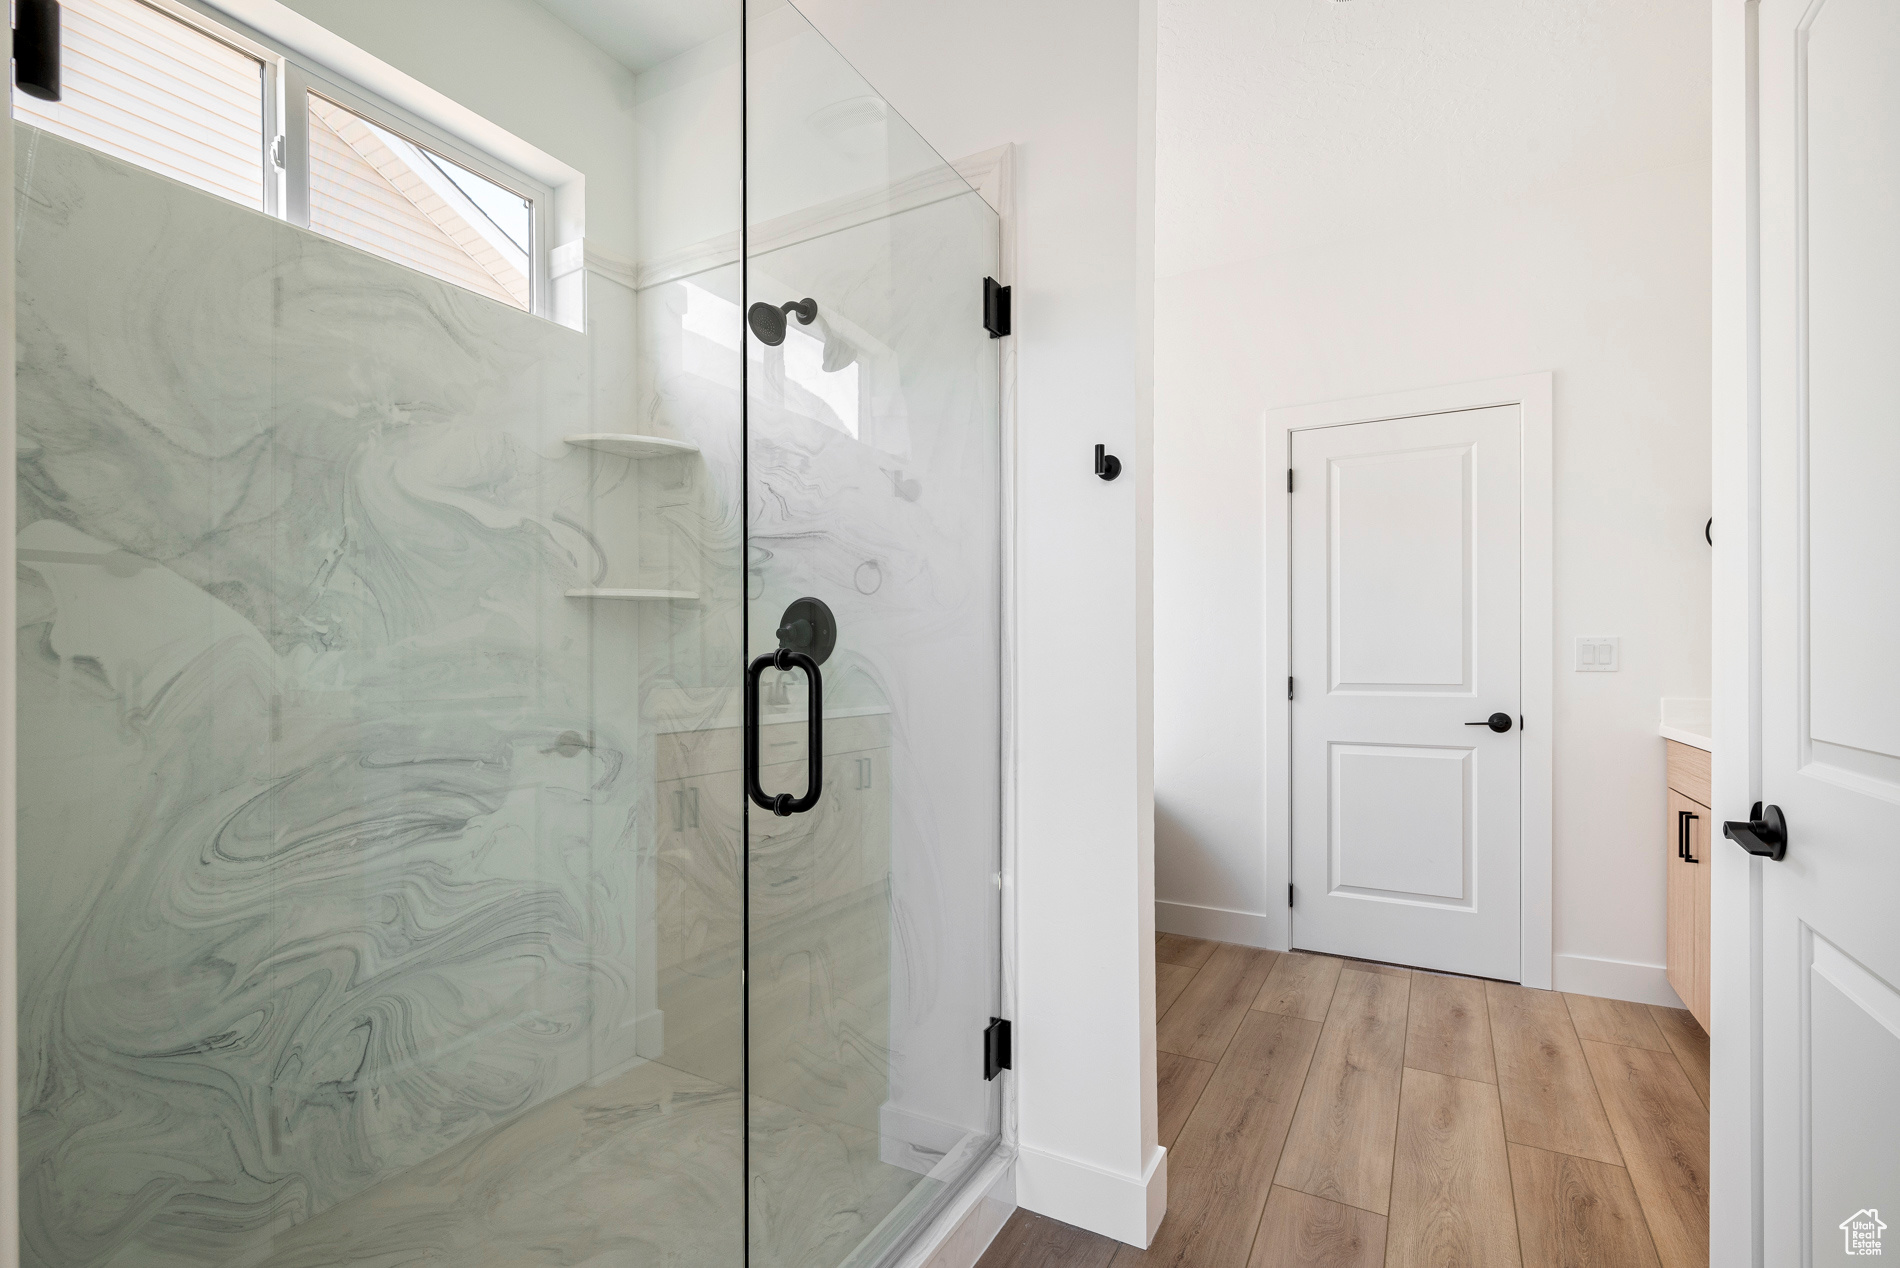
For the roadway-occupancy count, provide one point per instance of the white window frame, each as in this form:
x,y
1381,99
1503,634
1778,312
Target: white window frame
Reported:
x,y
289,76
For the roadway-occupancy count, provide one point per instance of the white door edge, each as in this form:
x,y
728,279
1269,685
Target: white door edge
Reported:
x,y
1735,1049
1531,393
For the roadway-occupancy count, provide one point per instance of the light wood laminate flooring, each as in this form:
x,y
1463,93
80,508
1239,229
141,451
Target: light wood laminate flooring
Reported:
x,y
1328,1112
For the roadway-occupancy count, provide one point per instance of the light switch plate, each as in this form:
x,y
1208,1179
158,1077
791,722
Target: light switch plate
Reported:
x,y
1598,655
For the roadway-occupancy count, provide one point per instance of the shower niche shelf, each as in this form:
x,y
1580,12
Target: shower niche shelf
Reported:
x,y
603,592
634,446
626,445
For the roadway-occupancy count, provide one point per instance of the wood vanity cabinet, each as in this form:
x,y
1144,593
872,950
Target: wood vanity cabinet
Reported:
x,y
1688,839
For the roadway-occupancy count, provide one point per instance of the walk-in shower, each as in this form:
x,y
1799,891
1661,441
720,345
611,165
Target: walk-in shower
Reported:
x,y
403,499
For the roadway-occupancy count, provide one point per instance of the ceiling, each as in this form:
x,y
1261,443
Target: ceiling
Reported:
x,y
640,34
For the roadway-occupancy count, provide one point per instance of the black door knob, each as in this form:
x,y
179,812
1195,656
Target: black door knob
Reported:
x,y
1499,722
1764,832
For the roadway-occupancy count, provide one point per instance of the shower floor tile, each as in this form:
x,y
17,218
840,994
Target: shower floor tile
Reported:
x,y
641,1169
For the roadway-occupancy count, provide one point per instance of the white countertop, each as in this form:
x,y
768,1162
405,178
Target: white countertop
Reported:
x,y
1687,722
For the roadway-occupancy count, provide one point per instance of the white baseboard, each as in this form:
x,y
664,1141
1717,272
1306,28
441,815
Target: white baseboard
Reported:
x,y
1247,928
1613,979
961,1233
1126,1208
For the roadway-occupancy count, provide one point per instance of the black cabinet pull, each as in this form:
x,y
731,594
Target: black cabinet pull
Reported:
x,y
1685,834
1763,833
784,803
1499,722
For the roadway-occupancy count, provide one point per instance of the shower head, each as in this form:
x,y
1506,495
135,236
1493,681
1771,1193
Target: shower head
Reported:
x,y
768,320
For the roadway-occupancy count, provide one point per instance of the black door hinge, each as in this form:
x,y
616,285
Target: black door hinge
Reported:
x,y
1289,893
995,308
995,1048
36,48
1289,686
1289,479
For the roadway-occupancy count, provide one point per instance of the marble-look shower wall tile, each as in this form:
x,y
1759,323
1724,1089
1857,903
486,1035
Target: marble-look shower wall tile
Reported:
x,y
335,842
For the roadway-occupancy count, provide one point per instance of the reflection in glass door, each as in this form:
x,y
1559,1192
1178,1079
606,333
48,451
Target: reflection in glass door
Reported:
x,y
873,618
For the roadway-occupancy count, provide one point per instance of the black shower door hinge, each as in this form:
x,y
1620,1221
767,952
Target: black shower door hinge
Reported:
x,y
36,48
995,308
995,1048
1289,893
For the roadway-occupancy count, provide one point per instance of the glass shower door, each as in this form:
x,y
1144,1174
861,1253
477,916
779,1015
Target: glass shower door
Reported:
x,y
873,630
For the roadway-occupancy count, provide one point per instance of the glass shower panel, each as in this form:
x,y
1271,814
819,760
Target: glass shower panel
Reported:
x,y
381,642
873,552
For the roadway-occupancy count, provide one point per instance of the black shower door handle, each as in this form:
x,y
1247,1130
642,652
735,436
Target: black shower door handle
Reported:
x,y
784,803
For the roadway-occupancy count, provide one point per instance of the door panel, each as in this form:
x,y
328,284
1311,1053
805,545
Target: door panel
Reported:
x,y
1830,599
1854,1048
1853,263
1401,581
1401,821
1405,628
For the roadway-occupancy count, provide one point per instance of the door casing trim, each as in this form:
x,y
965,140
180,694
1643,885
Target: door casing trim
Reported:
x,y
1531,393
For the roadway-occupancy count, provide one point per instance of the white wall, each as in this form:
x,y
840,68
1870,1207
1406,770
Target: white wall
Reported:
x,y
1061,79
1381,195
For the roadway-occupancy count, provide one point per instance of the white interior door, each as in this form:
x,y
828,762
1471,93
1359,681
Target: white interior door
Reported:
x,y
1827,937
1405,578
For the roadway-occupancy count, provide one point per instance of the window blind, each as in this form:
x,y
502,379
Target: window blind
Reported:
x,y
146,87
